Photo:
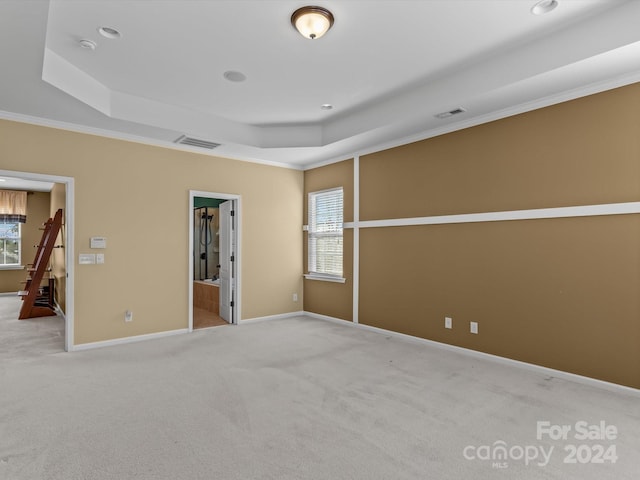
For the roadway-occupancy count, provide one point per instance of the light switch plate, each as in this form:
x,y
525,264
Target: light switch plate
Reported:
x,y
87,258
100,258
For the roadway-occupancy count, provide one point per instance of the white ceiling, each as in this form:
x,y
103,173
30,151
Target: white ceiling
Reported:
x,y
387,67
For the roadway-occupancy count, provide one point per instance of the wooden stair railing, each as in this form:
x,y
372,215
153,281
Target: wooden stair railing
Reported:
x,y
30,305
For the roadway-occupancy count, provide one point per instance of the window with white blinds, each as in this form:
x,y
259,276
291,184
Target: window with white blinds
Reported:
x,y
325,232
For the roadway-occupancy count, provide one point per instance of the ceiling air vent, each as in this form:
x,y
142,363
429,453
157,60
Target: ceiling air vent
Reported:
x,y
450,113
196,142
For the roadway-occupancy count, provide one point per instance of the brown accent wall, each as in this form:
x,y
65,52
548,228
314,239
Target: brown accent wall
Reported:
x,y
581,152
58,270
331,176
561,293
328,298
37,214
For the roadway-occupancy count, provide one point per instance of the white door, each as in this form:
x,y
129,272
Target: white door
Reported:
x,y
226,261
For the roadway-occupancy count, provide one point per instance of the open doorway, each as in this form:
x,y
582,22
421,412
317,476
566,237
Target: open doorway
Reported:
x,y
214,258
46,194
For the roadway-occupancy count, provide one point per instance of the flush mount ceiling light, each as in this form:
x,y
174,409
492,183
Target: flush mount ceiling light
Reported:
x,y
312,22
544,6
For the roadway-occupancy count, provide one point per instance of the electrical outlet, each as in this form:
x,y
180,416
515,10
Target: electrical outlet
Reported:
x,y
295,297
128,316
448,322
473,327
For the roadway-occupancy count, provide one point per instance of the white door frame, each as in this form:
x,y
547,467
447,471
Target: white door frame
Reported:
x,y
68,244
238,253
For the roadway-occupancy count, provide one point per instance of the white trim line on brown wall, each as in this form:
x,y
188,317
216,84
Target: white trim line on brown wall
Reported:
x,y
533,214
356,239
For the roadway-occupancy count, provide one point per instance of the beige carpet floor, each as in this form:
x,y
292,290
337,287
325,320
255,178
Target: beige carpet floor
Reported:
x,y
28,338
299,398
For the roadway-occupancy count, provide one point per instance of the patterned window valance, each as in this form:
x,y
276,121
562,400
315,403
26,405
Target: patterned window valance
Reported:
x,y
13,206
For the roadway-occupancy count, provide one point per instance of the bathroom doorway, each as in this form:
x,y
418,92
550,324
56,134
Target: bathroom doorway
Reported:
x,y
214,259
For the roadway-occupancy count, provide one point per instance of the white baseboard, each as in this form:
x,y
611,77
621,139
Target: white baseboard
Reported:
x,y
327,318
594,382
9,294
124,340
272,317
151,336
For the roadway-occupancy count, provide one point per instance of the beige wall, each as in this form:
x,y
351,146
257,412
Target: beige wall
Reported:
x,y
562,292
37,214
137,196
328,298
58,269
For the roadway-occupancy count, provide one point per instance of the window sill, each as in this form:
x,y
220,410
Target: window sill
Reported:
x,y
11,267
324,278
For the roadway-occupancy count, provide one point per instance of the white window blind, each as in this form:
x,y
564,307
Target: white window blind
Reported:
x,y
325,232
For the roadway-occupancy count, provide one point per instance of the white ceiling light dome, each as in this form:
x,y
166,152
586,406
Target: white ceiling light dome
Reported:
x,y
312,22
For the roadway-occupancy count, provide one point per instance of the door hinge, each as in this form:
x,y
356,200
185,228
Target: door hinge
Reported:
x,y
233,258
233,213
231,304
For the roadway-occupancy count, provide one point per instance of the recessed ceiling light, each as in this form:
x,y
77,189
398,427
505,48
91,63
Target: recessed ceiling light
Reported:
x,y
109,32
88,44
544,6
234,76
326,106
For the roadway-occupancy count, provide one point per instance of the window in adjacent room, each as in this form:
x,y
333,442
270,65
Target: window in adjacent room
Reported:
x,y
325,235
9,244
